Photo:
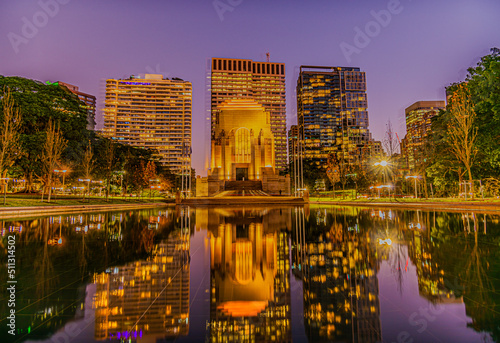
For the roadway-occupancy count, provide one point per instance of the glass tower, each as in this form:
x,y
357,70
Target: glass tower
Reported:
x,y
332,113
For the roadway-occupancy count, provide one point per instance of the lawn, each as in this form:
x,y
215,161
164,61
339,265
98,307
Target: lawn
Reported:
x,y
29,200
403,200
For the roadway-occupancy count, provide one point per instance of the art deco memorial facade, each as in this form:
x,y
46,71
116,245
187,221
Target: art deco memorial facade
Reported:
x,y
242,143
242,152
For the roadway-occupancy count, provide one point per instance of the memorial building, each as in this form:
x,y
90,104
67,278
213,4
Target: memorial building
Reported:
x,y
242,152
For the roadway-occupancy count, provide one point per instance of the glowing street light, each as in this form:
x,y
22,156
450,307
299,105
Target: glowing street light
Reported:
x,y
414,177
64,174
387,241
88,186
384,164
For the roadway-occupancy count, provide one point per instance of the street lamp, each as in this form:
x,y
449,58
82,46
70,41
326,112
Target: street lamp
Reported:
x,y
100,188
355,183
151,187
382,186
5,184
158,187
64,174
414,177
384,164
88,186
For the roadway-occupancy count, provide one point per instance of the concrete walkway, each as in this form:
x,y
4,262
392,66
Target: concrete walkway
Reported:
x,y
244,200
9,212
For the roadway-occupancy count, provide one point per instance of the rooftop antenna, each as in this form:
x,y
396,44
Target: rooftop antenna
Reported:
x,y
268,55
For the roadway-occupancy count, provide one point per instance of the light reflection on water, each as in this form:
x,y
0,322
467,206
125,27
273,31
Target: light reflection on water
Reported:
x,y
220,274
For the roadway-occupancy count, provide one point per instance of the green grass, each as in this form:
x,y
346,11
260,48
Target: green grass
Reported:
x,y
403,200
14,200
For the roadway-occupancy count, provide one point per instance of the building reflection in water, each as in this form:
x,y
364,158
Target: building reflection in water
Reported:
x,y
148,299
337,262
249,273
421,248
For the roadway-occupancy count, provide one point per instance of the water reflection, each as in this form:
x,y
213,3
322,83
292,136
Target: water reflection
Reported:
x,y
148,297
249,274
228,275
339,272
56,257
340,252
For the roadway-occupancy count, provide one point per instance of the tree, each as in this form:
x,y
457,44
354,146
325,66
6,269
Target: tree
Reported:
x,y
482,86
88,165
483,81
51,153
38,103
109,151
149,175
337,171
461,129
10,145
390,143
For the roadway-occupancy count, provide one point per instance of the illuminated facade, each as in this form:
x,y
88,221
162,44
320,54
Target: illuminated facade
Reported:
x,y
250,276
332,112
263,82
146,298
242,142
242,152
293,135
418,124
154,113
89,101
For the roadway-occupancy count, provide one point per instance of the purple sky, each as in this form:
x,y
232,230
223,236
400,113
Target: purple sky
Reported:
x,y
425,46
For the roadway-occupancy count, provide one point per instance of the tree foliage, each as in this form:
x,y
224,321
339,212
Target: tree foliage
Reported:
x,y
465,137
10,125
51,153
38,104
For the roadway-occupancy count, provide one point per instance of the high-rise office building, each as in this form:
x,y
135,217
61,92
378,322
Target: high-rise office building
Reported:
x,y
88,99
293,135
263,82
154,113
418,124
332,112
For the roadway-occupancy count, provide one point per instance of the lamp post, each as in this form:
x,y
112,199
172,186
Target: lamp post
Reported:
x,y
88,186
151,187
384,165
414,177
100,188
5,183
355,183
64,174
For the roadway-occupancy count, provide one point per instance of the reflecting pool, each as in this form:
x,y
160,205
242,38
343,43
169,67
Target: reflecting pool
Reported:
x,y
252,274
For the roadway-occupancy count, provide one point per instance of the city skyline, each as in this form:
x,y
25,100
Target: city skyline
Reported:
x,y
410,51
